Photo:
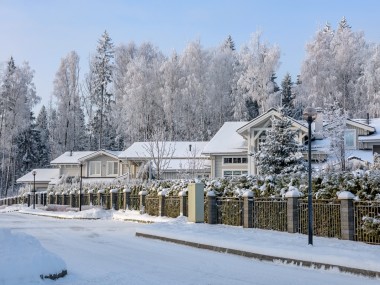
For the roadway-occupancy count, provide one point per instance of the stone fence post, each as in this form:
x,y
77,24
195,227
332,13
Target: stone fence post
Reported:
x,y
142,195
161,203
212,214
248,209
113,196
182,203
347,215
127,198
292,197
50,198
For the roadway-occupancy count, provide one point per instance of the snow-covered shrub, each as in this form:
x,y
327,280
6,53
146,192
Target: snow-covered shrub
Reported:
x,y
371,226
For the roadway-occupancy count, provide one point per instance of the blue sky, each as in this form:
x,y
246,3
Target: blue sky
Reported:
x,y
43,31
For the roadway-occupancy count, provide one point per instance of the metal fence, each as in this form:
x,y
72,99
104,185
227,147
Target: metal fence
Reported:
x,y
172,207
134,202
230,211
366,230
270,214
152,206
326,218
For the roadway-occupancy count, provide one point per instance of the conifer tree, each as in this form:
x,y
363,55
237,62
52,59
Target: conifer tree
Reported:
x,y
280,153
287,95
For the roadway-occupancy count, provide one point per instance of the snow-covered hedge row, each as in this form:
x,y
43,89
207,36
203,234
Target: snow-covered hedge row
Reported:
x,y
365,185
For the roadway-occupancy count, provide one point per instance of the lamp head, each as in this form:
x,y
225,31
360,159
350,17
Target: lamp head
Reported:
x,y
309,114
34,172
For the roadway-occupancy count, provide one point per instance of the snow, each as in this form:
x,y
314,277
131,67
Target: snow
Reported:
x,y
42,175
106,251
138,149
227,140
71,157
23,251
345,195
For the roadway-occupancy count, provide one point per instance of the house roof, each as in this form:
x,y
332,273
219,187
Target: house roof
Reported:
x,y
227,140
71,157
42,176
375,137
138,150
110,153
266,116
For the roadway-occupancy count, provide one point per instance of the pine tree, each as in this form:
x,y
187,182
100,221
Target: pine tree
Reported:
x,y
229,43
102,77
287,95
280,153
42,128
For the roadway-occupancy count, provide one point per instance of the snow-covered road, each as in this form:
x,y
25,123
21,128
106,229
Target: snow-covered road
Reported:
x,y
107,252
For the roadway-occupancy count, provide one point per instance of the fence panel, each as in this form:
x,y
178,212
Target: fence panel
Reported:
x,y
270,214
326,218
230,211
367,222
172,207
205,209
151,206
135,202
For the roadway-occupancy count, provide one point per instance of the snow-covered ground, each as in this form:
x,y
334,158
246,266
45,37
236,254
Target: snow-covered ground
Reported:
x,y
104,250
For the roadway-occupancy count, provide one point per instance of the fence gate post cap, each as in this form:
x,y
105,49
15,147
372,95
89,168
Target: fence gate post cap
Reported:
x,y
248,194
293,194
346,195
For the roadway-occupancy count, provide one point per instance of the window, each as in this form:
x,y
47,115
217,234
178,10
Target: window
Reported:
x,y
350,138
95,168
233,173
235,160
112,168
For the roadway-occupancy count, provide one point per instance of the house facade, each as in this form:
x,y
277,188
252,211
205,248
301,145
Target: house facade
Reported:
x,y
231,149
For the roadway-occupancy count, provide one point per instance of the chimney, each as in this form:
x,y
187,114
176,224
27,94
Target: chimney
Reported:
x,y
189,147
367,118
318,124
71,152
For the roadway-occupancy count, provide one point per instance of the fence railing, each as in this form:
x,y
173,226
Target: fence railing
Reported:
x,y
270,214
331,218
365,230
326,218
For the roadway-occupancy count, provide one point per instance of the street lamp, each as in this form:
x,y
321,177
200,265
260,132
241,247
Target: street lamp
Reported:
x,y
34,189
80,188
310,114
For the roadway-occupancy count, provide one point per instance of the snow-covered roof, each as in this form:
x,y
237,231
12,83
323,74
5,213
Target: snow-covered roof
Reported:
x,y
185,164
42,175
375,123
227,140
71,157
114,154
181,149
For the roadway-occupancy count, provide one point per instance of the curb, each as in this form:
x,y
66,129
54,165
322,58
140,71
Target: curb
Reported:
x,y
270,258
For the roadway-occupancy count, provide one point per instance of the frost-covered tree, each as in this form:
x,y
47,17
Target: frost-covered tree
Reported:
x,y
41,126
280,153
258,61
100,95
335,131
334,63
69,112
18,97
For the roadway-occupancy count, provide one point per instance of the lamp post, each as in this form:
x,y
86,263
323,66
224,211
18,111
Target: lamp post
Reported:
x,y
34,189
310,114
80,188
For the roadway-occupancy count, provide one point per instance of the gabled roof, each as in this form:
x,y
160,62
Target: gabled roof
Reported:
x,y
138,150
42,176
264,117
360,125
70,157
110,153
227,140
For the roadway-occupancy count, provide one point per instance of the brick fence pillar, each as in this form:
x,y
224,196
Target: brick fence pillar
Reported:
x,y
248,209
292,197
182,203
127,198
142,195
212,208
161,203
347,215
